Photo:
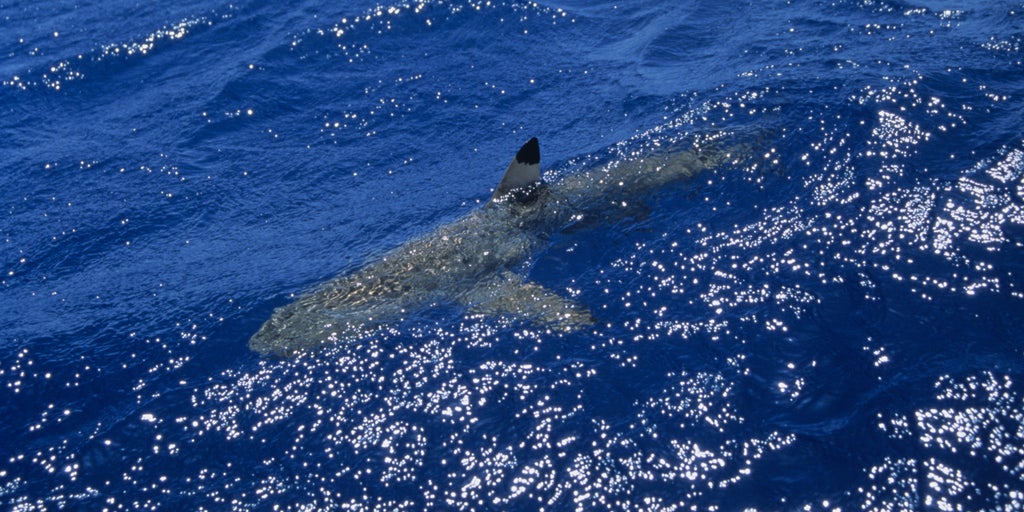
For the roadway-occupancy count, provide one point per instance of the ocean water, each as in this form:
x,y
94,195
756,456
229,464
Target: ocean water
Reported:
x,y
835,324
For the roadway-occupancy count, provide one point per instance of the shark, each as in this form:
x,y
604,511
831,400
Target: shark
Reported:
x,y
481,261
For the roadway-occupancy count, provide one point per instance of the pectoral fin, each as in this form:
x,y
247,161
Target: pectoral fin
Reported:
x,y
508,294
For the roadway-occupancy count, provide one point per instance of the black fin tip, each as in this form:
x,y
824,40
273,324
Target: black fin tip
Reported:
x,y
529,154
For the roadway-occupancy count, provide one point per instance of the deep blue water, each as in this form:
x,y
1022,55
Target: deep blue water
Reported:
x,y
834,325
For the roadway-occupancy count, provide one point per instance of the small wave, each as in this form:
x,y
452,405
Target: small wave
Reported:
x,y
59,75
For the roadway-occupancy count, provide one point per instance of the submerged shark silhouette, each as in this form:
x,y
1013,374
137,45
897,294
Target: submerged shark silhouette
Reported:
x,y
478,260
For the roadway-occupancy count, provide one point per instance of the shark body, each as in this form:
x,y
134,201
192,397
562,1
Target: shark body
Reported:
x,y
478,260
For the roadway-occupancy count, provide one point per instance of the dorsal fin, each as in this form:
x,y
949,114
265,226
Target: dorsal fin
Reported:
x,y
524,171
